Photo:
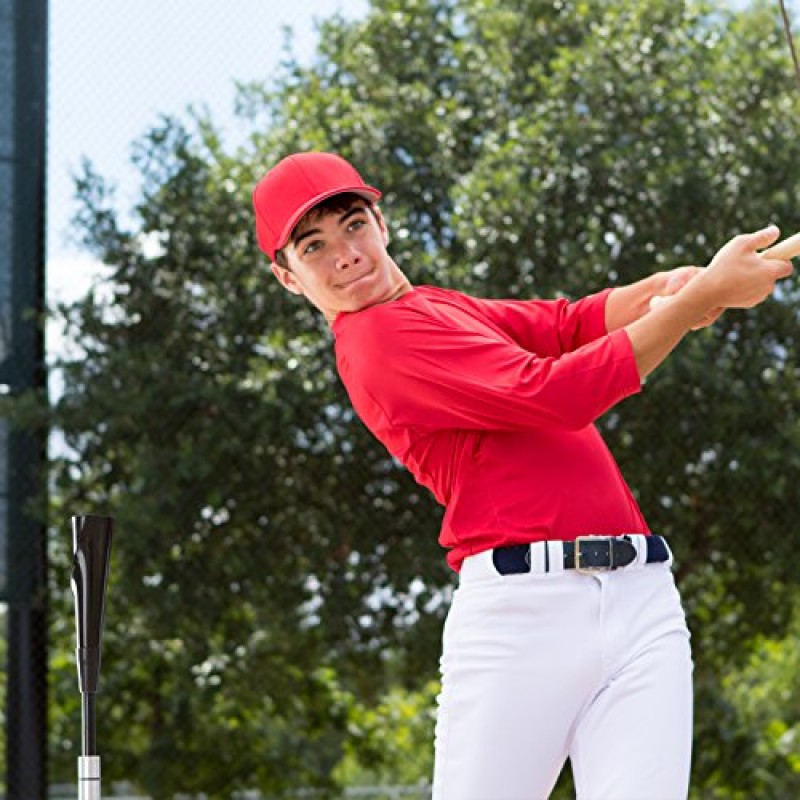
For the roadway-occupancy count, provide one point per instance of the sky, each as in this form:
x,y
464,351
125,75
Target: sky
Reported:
x,y
116,65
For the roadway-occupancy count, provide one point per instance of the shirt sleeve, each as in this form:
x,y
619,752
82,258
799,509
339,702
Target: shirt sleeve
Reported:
x,y
557,326
420,372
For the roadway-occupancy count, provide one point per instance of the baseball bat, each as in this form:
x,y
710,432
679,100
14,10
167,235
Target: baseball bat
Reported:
x,y
785,250
91,536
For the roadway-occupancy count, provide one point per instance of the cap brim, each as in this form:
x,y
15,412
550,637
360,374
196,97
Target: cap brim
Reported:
x,y
367,192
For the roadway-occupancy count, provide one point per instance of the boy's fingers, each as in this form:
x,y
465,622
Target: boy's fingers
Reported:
x,y
760,239
780,269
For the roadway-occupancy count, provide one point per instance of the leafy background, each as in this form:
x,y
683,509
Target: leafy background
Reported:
x,y
277,592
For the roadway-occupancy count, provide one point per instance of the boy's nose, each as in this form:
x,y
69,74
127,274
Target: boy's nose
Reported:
x,y
346,257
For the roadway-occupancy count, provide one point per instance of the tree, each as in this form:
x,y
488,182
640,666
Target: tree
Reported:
x,y
389,745
765,694
275,571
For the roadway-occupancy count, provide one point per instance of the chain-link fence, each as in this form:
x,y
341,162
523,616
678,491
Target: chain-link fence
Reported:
x,y
122,791
277,593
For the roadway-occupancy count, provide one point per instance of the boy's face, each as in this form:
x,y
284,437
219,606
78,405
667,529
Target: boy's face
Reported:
x,y
338,261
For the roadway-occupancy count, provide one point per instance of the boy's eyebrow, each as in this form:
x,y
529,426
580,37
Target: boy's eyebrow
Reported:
x,y
312,231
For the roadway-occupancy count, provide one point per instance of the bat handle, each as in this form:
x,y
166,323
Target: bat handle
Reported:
x,y
785,250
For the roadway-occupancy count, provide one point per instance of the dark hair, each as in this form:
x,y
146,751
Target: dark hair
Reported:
x,y
336,204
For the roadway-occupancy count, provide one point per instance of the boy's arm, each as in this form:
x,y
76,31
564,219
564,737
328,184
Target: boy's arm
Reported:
x,y
626,304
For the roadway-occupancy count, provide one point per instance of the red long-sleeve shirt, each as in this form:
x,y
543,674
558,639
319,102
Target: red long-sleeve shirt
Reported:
x,y
491,404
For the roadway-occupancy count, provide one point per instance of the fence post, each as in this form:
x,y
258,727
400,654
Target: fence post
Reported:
x,y
23,28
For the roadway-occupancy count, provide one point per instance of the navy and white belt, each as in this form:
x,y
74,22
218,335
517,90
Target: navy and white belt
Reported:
x,y
586,554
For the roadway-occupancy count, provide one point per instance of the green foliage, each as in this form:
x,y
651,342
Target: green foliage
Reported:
x,y
390,744
765,694
276,589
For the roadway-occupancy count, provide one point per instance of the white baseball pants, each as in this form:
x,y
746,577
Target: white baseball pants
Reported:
x,y
538,668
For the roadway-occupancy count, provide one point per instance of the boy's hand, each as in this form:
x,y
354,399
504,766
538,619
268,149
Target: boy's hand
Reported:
x,y
737,277
674,281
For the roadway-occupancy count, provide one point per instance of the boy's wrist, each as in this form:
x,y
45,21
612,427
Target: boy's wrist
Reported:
x,y
699,294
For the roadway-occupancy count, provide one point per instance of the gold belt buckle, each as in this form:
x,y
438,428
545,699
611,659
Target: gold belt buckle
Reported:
x,y
593,539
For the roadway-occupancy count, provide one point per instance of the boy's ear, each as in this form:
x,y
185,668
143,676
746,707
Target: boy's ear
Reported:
x,y
382,224
287,279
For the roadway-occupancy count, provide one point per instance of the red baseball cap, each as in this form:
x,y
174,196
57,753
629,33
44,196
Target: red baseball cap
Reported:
x,y
294,186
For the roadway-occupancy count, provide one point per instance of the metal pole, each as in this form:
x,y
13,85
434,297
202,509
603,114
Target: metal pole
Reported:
x,y
23,97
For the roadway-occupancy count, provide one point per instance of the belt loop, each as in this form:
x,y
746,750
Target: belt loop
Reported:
x,y
641,549
539,557
640,543
556,552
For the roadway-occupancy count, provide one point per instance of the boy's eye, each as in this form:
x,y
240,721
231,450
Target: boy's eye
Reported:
x,y
356,224
312,247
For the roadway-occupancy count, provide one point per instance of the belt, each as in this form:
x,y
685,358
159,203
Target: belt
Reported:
x,y
588,554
